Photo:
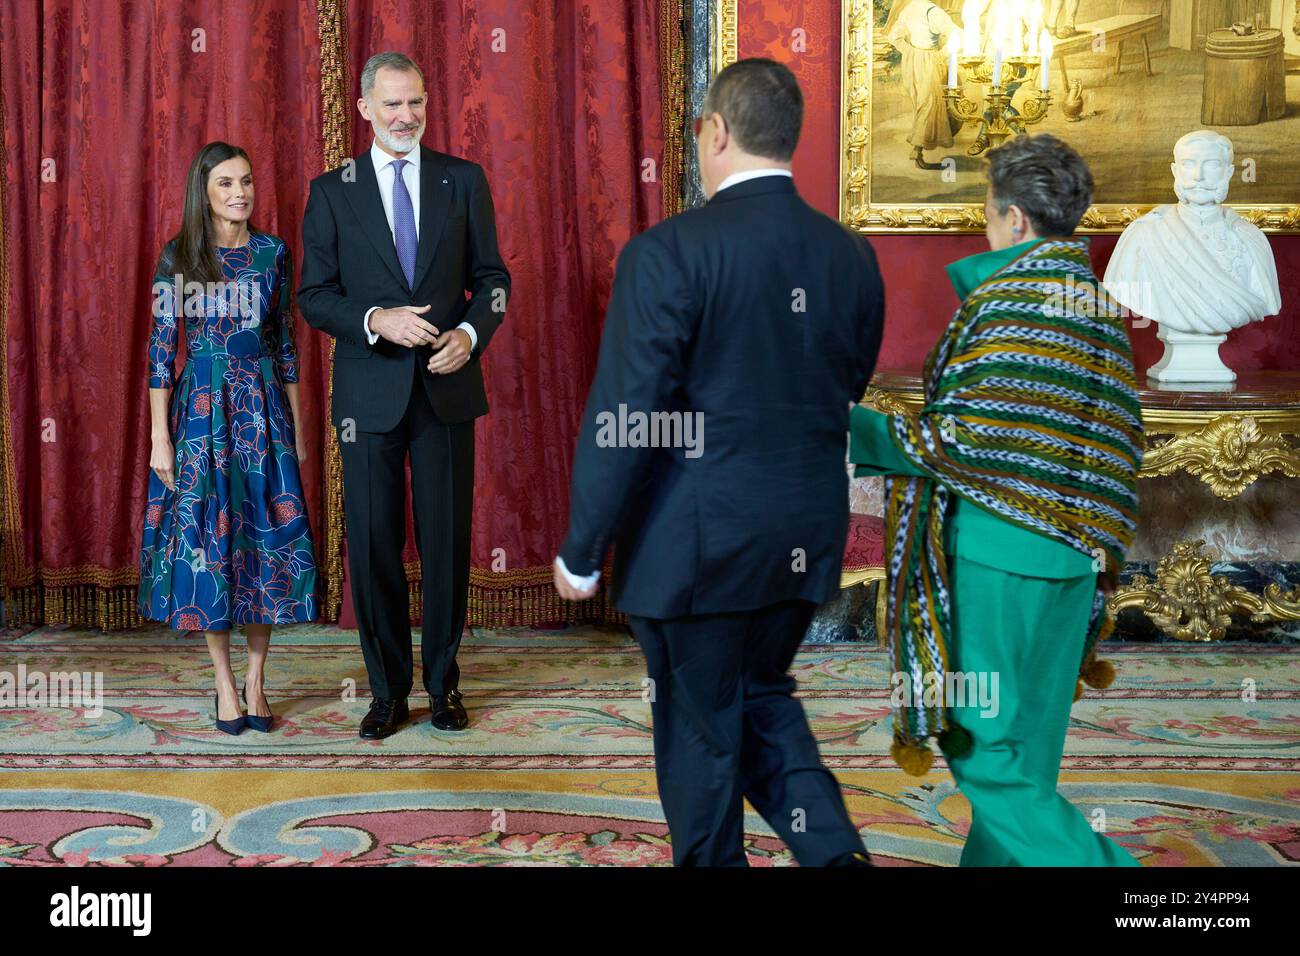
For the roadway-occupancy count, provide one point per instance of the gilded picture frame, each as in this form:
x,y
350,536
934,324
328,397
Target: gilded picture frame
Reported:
x,y
725,39
868,207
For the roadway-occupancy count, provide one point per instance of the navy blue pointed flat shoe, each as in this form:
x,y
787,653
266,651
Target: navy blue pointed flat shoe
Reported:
x,y
262,724
232,727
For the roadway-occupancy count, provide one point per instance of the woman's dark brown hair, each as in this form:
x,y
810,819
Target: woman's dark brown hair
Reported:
x,y
193,250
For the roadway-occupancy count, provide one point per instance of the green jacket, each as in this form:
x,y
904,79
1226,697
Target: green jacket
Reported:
x,y
973,533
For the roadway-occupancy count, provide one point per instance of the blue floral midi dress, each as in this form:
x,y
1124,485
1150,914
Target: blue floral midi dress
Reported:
x,y
231,545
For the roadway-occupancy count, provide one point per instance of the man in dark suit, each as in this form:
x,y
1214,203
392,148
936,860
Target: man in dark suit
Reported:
x,y
712,455
392,242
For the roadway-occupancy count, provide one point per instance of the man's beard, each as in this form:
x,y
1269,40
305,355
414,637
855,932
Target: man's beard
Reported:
x,y
404,145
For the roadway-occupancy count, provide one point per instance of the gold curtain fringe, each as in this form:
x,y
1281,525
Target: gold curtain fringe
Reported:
x,y
84,575
502,604
531,605
523,606
672,99
78,605
523,597
331,30
492,603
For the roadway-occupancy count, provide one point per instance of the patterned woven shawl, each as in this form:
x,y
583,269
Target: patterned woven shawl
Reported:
x,y
1031,412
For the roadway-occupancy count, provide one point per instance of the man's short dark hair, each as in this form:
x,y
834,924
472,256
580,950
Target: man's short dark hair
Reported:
x,y
762,104
1046,178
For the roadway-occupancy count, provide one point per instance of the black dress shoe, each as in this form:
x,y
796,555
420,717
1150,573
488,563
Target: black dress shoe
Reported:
x,y
448,713
851,859
384,718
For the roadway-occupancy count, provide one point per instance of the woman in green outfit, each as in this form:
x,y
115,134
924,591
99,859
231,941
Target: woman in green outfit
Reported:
x,y
1011,501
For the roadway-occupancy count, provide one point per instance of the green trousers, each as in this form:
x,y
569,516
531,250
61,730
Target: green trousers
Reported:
x,y
1030,633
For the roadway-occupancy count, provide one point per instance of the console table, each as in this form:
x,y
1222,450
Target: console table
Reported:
x,y
1228,438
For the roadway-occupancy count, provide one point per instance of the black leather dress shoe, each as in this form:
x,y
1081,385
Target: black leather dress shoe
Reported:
x,y
384,718
448,713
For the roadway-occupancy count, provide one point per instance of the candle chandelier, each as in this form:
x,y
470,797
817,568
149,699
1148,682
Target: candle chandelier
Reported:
x,y
1014,54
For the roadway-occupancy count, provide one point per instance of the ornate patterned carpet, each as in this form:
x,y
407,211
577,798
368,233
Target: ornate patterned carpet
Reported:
x,y
556,767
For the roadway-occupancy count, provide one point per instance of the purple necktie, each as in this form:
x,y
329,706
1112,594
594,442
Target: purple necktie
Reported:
x,y
404,223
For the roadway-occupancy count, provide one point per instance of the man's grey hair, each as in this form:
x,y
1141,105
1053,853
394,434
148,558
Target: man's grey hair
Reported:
x,y
391,59
1046,178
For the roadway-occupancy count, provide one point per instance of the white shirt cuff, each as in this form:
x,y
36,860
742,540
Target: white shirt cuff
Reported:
x,y
581,583
366,322
473,336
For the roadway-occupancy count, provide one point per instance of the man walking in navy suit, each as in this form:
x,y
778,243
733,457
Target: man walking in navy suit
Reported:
x,y
712,457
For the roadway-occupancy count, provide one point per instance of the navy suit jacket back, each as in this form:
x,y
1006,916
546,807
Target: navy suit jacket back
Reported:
x,y
755,320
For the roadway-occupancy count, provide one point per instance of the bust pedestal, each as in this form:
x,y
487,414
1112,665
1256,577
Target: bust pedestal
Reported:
x,y
1190,357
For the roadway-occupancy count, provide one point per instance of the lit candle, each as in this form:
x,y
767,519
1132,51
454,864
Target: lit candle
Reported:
x,y
997,61
1016,27
953,45
1045,70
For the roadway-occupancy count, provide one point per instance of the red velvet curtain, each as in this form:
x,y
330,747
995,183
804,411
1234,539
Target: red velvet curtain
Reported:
x,y
560,103
105,105
105,102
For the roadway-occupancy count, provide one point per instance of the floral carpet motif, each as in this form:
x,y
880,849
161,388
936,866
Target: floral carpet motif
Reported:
x,y
1191,756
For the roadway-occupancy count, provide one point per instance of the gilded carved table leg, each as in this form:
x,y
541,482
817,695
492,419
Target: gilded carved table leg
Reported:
x,y
1190,603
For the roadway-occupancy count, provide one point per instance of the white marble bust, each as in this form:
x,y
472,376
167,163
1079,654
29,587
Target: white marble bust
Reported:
x,y
1195,267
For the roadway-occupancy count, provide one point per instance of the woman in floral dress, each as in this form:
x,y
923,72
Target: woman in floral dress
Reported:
x,y
226,540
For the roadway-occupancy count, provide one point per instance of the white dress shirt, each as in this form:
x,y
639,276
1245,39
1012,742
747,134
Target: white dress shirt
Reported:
x,y
384,173
410,175
735,179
